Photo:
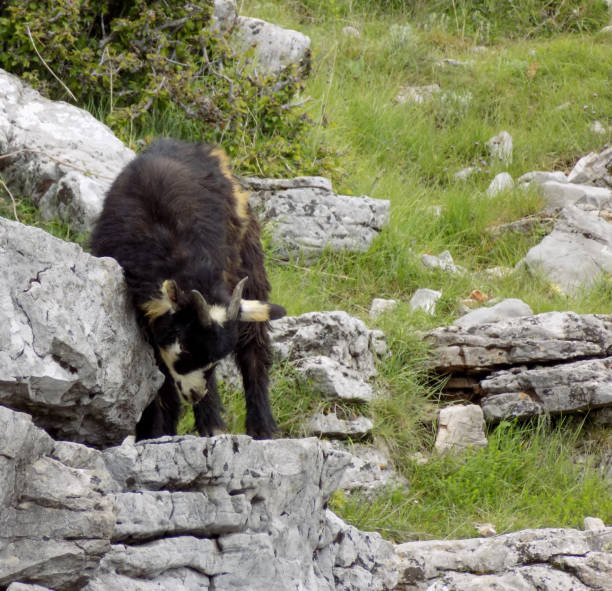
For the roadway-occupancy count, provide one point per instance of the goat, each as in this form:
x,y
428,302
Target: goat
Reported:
x,y
181,227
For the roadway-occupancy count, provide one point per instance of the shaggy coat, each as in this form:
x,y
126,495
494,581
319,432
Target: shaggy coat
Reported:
x,y
180,226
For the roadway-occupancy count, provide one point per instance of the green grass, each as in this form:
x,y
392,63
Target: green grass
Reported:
x,y
524,478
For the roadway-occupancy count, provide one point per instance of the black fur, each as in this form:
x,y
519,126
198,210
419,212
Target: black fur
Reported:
x,y
176,221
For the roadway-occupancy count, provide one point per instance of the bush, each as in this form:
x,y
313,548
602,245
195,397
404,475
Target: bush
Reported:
x,y
127,60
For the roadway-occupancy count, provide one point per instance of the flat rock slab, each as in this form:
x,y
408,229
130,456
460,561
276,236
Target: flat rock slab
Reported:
x,y
570,387
460,427
529,560
305,217
71,353
543,338
330,425
576,253
63,159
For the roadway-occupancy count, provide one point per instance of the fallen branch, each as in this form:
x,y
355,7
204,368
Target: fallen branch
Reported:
x,y
46,66
12,199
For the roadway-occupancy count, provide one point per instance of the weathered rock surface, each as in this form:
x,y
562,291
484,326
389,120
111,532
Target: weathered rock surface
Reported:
x,y
557,362
522,392
425,299
225,13
381,306
275,47
55,521
502,182
576,252
544,338
529,560
443,261
508,308
178,513
330,425
71,353
305,217
500,147
337,335
594,168
460,427
62,158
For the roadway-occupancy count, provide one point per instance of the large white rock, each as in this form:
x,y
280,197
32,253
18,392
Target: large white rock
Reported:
x,y
62,158
71,353
508,308
275,47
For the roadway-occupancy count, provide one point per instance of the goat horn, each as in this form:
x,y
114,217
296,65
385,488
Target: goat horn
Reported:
x,y
202,307
233,310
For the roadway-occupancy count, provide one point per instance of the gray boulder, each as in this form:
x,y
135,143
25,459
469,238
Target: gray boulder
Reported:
x,y
225,13
500,147
587,197
522,392
425,299
55,521
529,560
502,182
575,253
336,335
61,157
330,425
275,47
178,513
71,353
544,338
305,217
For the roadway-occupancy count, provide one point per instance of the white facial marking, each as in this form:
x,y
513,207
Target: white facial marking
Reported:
x,y
218,313
192,385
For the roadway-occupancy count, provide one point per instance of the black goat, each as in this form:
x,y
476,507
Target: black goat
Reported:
x,y
180,226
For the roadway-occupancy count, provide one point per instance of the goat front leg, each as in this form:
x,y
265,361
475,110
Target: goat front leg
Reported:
x,y
207,412
162,415
254,360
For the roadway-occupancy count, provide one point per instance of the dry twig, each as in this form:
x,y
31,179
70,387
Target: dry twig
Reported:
x,y
12,199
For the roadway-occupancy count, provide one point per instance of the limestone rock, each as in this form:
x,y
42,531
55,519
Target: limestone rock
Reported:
x,y
540,176
593,524
63,158
334,380
416,94
275,47
500,147
443,261
587,197
425,299
329,425
55,521
502,182
544,338
336,335
460,427
305,217
568,387
71,353
529,560
508,308
380,306
575,253
225,13
594,168
369,471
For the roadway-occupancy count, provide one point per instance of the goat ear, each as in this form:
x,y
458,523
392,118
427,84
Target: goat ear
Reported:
x,y
256,311
202,308
166,302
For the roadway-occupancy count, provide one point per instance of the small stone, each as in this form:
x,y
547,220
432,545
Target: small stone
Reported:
x,y
597,127
329,425
425,299
486,530
460,427
380,306
502,182
593,523
508,308
464,173
500,147
416,94
541,176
